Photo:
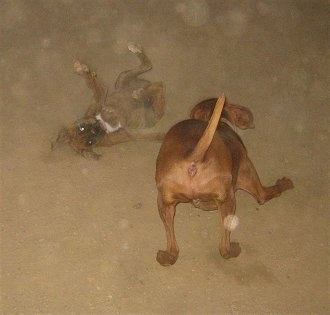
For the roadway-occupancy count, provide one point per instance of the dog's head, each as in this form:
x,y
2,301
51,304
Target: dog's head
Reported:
x,y
83,135
87,132
238,115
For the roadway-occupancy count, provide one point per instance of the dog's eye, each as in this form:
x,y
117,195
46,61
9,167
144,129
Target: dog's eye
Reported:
x,y
81,128
90,142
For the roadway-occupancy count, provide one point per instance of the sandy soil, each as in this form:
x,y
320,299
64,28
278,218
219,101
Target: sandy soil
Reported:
x,y
81,236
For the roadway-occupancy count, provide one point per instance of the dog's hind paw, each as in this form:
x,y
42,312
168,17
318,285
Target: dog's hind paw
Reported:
x,y
284,184
80,67
233,252
166,259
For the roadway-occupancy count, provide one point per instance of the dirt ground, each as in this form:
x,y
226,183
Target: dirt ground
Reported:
x,y
80,236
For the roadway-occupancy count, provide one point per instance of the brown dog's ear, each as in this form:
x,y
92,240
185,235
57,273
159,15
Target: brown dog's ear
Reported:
x,y
203,110
240,116
62,137
201,113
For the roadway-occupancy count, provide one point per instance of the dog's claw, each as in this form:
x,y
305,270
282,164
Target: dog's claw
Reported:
x,y
166,259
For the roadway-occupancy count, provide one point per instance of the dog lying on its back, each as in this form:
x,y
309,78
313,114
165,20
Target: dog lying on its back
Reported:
x,y
126,114
205,163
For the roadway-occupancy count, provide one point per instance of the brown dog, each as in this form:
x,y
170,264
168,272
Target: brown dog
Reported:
x,y
205,163
126,114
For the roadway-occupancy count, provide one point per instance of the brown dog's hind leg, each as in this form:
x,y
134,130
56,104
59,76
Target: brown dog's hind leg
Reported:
x,y
249,181
167,213
156,94
126,78
228,223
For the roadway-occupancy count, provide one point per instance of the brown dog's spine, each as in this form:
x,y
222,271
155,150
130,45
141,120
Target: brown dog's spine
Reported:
x,y
204,142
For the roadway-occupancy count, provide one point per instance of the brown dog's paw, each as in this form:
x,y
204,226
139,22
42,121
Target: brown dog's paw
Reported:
x,y
233,252
166,259
284,184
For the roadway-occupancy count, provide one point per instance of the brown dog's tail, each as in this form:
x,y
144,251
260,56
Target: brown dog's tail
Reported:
x,y
204,142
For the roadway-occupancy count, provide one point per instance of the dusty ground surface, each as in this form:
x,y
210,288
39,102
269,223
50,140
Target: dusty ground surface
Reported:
x,y
80,236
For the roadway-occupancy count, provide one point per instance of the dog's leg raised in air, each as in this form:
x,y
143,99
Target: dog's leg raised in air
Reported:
x,y
167,213
99,91
249,181
156,92
126,77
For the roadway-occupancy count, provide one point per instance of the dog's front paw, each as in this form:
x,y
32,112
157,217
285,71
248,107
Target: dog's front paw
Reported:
x,y
233,252
166,259
134,48
90,155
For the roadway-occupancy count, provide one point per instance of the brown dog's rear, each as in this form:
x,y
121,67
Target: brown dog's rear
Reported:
x,y
205,163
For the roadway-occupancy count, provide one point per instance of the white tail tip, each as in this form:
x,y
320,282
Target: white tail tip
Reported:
x,y
231,222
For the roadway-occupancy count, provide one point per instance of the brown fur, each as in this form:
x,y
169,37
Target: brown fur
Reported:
x,y
239,116
207,176
136,104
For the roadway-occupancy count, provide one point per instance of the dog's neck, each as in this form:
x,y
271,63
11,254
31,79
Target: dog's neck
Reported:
x,y
106,126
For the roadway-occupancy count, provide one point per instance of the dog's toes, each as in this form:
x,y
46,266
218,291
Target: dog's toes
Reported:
x,y
284,184
234,251
166,259
290,184
80,67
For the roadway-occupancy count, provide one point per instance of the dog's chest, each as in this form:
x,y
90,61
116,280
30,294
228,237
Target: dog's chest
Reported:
x,y
107,126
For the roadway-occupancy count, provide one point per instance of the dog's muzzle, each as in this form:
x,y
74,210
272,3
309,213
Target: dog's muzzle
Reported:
x,y
89,130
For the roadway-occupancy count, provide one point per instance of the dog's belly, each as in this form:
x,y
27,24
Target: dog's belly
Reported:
x,y
188,197
206,205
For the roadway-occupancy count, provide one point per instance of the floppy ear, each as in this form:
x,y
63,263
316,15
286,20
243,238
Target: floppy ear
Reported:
x,y
62,137
203,110
240,116
201,113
